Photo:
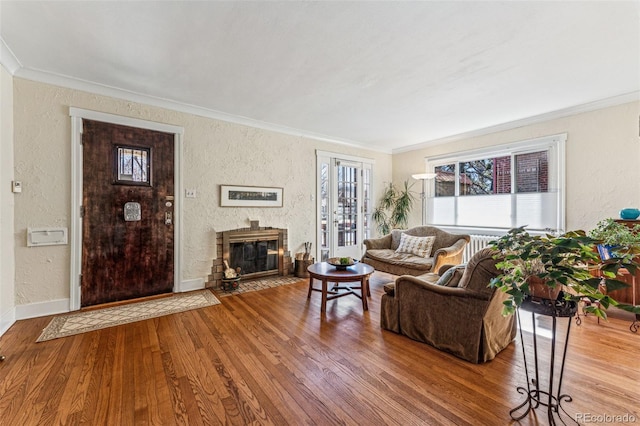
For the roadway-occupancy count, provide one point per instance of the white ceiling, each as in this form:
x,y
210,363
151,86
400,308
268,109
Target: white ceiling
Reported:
x,y
384,75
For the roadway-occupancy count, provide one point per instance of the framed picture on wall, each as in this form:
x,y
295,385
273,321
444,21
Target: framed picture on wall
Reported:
x,y
250,196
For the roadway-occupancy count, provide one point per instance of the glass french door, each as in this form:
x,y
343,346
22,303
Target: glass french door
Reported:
x,y
343,205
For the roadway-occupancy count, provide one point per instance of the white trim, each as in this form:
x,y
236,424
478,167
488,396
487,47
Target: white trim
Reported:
x,y
8,59
190,285
7,320
10,62
565,112
345,157
178,248
77,115
61,306
76,220
505,148
554,144
128,95
124,121
320,160
40,309
330,158
470,230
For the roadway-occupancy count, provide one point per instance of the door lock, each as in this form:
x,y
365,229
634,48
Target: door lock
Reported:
x,y
167,218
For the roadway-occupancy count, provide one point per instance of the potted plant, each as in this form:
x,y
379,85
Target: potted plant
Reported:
x,y
567,263
564,263
615,237
393,209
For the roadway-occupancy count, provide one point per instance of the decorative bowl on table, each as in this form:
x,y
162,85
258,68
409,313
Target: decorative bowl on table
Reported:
x,y
341,263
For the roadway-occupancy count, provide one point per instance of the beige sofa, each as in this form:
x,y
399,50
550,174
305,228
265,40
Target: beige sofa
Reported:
x,y
381,252
461,315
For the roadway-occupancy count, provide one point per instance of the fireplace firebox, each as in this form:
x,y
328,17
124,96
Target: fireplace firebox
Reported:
x,y
257,251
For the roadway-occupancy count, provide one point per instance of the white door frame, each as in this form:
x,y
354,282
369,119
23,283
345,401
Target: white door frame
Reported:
x,y
77,115
355,250
331,158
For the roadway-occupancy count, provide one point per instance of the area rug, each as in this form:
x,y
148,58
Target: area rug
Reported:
x,y
258,284
81,322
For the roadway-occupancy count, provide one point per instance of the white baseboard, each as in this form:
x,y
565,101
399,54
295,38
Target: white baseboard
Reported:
x,y
40,309
53,307
190,285
6,320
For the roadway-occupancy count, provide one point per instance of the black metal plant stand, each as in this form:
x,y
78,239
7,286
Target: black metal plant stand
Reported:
x,y
536,396
635,324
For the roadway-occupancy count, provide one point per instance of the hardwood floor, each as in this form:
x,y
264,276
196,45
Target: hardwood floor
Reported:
x,y
267,357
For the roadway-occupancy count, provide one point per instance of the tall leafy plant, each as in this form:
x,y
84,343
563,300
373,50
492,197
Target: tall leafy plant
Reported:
x,y
393,208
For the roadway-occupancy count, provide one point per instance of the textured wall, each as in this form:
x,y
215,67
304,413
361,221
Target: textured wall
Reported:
x,y
7,267
215,152
602,160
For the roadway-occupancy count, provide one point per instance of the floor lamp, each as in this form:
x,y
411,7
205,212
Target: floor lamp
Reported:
x,y
424,177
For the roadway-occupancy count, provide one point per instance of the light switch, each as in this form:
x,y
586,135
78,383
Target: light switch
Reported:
x,y
190,193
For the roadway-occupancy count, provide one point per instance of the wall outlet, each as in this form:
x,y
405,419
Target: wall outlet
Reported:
x,y
16,186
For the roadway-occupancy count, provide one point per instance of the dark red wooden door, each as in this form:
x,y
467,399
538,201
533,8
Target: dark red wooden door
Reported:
x,y
127,223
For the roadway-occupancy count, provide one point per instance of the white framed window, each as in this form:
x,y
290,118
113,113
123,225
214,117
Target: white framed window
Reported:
x,y
501,187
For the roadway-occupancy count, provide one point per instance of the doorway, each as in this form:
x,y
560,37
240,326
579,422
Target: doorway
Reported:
x,y
125,187
344,205
127,217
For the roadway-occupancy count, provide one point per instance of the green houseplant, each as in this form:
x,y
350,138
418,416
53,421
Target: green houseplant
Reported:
x,y
617,236
566,262
394,207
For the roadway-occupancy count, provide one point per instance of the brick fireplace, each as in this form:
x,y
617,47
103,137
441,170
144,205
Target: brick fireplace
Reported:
x,y
257,251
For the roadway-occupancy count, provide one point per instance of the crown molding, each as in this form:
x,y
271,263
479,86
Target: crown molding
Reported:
x,y
7,59
131,96
10,62
566,112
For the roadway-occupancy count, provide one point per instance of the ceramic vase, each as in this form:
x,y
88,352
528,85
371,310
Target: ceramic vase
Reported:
x,y
629,214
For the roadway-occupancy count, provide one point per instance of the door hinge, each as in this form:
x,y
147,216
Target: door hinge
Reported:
x,y
80,280
81,211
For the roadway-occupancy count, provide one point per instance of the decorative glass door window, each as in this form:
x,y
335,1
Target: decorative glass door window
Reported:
x,y
344,205
133,165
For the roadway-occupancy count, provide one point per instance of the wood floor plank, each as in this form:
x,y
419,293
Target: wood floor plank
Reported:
x,y
271,358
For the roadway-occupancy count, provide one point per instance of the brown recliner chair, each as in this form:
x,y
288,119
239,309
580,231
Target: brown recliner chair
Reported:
x,y
463,318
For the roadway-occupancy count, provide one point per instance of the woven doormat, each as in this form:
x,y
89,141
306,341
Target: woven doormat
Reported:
x,y
70,324
258,284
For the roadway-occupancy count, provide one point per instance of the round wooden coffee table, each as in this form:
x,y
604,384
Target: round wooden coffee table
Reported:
x,y
326,273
